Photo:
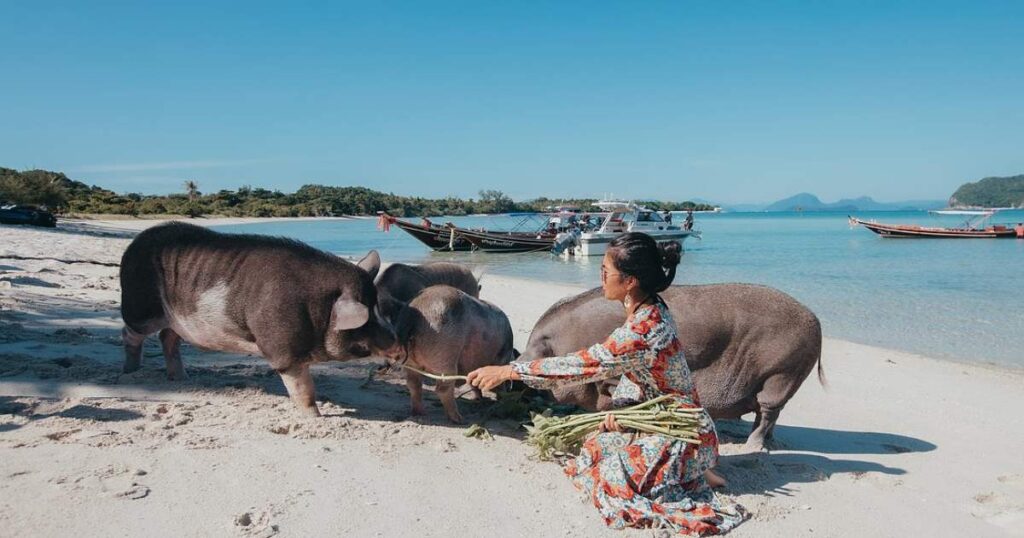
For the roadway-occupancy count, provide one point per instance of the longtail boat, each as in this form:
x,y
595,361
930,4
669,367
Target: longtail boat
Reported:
x,y
975,226
435,236
449,237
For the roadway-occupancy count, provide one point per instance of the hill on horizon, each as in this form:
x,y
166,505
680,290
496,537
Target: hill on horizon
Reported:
x,y
806,201
990,192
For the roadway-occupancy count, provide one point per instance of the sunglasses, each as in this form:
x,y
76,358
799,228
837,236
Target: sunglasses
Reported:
x,y
605,274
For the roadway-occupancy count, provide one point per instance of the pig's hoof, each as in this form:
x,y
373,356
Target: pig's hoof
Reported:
x,y
417,411
130,368
313,411
456,419
177,376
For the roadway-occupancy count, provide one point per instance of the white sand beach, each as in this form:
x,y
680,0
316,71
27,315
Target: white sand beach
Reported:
x,y
896,445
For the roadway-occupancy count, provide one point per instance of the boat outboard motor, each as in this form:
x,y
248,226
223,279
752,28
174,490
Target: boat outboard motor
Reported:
x,y
565,240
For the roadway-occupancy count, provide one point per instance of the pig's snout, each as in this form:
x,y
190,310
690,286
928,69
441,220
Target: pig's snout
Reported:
x,y
395,353
359,350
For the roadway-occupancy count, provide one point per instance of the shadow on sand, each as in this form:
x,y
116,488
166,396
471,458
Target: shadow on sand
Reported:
x,y
827,441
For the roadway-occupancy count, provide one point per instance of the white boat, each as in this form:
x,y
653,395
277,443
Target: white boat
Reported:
x,y
619,218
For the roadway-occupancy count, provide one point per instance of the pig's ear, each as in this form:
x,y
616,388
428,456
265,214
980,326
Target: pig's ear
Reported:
x,y
348,314
370,263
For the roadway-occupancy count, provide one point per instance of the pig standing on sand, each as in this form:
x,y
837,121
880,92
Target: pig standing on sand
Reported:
x,y
399,283
749,347
444,330
268,296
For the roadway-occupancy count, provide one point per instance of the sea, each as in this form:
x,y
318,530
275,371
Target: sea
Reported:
x,y
956,299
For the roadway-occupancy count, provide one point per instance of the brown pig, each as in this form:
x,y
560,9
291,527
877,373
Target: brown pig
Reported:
x,y
399,283
444,330
749,347
279,298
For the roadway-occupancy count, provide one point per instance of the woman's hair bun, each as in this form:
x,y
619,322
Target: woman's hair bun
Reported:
x,y
671,253
653,264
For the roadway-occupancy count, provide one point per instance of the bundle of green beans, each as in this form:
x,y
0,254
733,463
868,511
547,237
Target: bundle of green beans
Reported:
x,y
663,416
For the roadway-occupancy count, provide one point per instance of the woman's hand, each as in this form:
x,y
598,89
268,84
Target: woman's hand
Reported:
x,y
609,424
488,377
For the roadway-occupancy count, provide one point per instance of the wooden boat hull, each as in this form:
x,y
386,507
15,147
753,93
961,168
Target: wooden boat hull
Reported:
x,y
908,231
438,238
506,242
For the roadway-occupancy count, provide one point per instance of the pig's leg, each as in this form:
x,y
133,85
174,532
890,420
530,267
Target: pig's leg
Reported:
x,y
299,382
446,392
762,433
415,383
171,343
770,400
757,419
132,349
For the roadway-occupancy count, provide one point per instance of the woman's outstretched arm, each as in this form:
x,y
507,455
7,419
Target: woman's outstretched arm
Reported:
x,y
622,352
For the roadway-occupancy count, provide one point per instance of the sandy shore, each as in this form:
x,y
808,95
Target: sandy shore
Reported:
x,y
115,222
897,445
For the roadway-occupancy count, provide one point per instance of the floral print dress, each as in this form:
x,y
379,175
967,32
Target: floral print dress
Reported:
x,y
648,480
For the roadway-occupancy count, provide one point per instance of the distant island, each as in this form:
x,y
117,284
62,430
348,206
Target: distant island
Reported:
x,y
57,191
990,192
809,202
987,192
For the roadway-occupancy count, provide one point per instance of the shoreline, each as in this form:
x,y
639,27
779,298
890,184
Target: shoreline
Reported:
x,y
138,224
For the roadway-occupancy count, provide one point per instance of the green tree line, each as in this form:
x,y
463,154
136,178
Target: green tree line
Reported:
x,y
64,195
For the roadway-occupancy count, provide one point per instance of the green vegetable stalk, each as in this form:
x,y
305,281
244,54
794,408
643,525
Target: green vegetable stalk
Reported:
x,y
663,416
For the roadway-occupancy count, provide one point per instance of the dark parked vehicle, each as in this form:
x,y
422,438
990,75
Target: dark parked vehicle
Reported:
x,y
27,214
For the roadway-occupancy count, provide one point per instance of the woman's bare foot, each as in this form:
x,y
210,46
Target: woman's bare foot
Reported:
x,y
714,479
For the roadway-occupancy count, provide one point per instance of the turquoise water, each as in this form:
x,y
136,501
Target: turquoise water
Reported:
x,y
953,299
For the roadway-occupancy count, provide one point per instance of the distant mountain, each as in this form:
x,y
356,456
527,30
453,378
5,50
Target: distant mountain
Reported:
x,y
990,192
745,208
809,202
866,203
704,201
801,202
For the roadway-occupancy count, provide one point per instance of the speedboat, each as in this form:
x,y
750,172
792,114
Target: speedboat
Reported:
x,y
618,218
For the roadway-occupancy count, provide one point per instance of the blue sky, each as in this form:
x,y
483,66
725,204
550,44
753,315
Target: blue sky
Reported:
x,y
726,101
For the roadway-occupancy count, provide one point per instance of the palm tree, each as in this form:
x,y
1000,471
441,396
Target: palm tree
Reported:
x,y
192,188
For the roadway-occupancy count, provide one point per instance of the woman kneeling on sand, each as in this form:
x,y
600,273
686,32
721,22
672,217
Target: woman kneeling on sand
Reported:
x,y
637,480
